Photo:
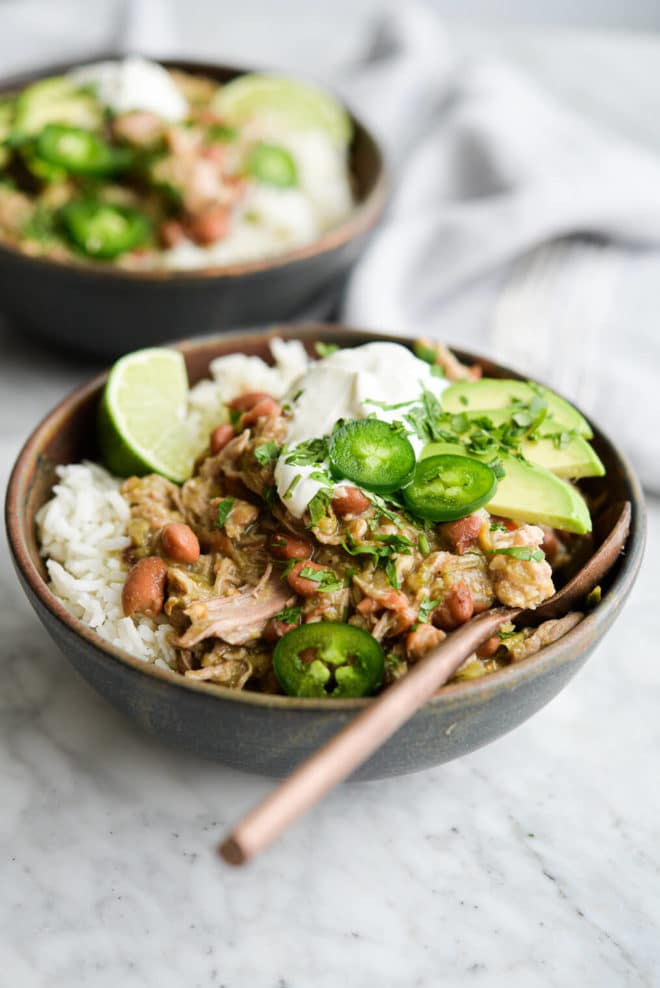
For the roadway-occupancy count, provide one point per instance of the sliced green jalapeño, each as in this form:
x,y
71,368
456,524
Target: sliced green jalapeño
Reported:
x,y
373,454
447,487
328,659
272,165
79,151
103,230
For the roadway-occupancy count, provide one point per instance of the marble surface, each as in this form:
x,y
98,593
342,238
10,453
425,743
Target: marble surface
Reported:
x,y
532,863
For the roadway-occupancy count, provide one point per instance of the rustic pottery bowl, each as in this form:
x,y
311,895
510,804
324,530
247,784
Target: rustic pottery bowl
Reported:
x,y
98,309
270,734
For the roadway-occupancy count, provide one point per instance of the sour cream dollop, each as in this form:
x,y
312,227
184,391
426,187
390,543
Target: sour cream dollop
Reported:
x,y
134,83
343,385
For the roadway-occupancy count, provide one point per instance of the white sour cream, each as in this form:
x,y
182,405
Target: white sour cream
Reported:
x,y
134,84
341,386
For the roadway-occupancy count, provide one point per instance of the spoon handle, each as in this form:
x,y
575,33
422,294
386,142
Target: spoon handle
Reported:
x,y
360,738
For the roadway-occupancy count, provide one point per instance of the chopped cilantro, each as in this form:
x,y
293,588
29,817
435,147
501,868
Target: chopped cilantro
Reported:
x,y
325,349
308,453
288,567
327,580
390,544
425,609
497,467
507,631
392,575
523,552
463,399
423,544
318,506
290,615
321,477
270,495
292,486
266,453
224,509
497,526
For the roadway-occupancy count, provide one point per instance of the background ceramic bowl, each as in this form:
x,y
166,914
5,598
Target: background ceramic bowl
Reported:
x,y
105,311
270,734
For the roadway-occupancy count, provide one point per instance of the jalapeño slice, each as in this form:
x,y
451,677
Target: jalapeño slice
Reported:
x,y
373,454
272,165
79,151
448,486
328,659
103,230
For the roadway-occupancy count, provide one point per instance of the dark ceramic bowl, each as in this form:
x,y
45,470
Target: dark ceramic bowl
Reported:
x,y
270,734
102,310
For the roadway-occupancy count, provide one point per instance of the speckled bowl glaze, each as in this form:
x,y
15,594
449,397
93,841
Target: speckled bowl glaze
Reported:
x,y
101,310
270,734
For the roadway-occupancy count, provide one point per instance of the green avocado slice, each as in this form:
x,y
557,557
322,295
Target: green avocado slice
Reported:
x,y
56,100
530,493
490,393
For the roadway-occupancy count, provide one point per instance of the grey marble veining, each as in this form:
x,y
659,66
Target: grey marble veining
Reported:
x,y
533,862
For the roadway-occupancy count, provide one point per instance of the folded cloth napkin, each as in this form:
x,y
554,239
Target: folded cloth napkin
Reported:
x,y
517,228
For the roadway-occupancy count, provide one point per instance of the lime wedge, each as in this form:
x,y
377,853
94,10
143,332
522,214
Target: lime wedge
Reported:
x,y
142,422
292,104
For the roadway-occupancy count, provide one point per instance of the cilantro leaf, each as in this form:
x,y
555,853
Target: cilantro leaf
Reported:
x,y
290,615
224,508
266,453
325,349
523,552
308,453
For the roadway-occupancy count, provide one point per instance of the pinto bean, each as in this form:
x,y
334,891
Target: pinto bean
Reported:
x,y
456,608
220,436
180,543
302,585
489,648
209,226
267,406
462,533
349,501
247,400
422,640
144,589
284,546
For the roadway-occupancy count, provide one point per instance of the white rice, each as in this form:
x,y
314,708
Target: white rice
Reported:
x,y
82,529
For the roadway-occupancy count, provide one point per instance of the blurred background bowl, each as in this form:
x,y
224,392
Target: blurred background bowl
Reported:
x,y
268,734
101,310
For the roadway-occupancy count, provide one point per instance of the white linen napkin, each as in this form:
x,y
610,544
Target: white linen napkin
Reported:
x,y
517,228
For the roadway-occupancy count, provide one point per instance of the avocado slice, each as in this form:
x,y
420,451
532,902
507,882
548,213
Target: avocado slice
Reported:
x,y
492,392
575,458
529,493
55,100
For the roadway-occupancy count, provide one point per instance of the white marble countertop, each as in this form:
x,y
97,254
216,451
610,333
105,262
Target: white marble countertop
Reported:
x,y
531,863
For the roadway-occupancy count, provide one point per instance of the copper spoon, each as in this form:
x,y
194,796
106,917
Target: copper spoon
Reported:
x,y
348,749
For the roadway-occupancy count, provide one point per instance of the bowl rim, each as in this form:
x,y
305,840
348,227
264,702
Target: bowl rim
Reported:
x,y
359,221
586,632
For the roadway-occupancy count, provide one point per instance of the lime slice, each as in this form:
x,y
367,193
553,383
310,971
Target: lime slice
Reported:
x,y
292,104
142,424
